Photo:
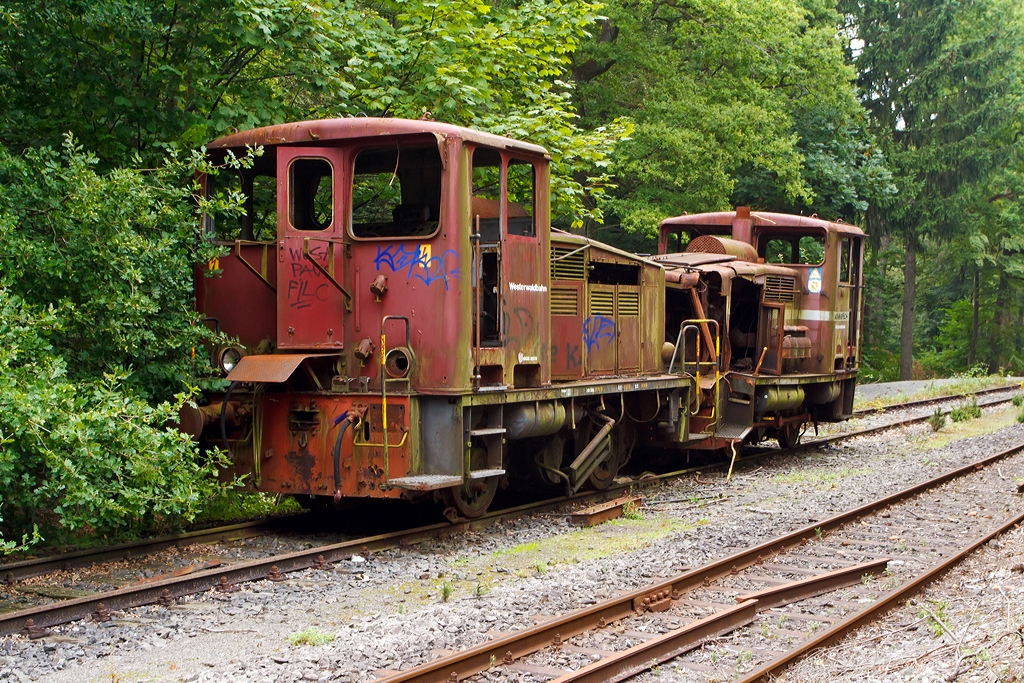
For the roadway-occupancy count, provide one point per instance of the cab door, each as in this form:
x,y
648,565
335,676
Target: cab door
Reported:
x,y
845,295
525,271
310,300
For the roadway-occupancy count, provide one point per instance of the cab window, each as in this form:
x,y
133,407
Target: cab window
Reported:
x,y
844,260
258,220
310,194
792,249
521,182
396,192
486,201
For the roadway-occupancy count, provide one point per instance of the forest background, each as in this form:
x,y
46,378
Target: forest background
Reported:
x,y
904,118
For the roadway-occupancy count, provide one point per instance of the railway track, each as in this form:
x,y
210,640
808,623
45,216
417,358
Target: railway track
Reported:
x,y
199,580
774,601
932,401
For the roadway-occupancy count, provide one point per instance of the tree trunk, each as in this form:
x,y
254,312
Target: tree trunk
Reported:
x,y
999,318
909,303
972,348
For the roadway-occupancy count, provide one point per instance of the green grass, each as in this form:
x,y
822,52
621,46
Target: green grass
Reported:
x,y
235,506
311,636
541,556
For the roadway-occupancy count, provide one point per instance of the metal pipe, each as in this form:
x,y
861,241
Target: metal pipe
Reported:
x,y
345,422
477,278
223,415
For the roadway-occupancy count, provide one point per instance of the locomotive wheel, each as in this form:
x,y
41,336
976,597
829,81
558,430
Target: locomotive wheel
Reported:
x,y
472,498
789,434
622,437
603,476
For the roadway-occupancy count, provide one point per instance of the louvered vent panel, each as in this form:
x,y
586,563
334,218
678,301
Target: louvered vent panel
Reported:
x,y
565,267
779,288
629,303
602,303
565,301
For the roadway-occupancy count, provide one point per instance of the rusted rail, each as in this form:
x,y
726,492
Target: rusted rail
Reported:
x,y
620,665
932,401
37,566
771,671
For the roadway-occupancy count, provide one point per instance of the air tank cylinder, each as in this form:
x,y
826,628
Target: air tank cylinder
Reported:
x,y
772,399
541,418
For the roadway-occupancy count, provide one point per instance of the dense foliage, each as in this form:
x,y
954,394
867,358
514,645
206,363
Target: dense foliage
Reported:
x,y
96,335
735,102
942,81
128,77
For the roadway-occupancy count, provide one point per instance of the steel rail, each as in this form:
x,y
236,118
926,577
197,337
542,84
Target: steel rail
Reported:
x,y
506,648
64,611
37,566
938,399
61,612
771,670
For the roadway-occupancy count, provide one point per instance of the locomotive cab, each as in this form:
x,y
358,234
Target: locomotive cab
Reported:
x,y
770,305
388,292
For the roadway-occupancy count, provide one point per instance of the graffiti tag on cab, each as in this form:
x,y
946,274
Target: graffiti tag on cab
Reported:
x,y
598,330
303,288
417,262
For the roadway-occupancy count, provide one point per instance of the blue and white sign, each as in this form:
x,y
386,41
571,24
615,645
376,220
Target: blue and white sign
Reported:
x,y
814,281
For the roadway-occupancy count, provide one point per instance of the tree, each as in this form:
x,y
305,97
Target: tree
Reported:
x,y
130,77
744,101
97,336
941,81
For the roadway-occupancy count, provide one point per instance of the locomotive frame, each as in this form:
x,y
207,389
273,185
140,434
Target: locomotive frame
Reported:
x,y
413,325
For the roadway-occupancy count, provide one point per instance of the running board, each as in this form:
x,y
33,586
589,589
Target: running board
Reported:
x,y
433,482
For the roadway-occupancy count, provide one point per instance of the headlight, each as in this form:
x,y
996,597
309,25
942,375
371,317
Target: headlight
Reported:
x,y
229,358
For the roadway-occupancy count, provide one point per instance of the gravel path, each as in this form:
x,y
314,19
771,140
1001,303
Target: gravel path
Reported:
x,y
397,608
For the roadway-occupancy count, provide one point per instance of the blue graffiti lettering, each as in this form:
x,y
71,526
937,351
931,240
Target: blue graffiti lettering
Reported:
x,y
597,330
415,263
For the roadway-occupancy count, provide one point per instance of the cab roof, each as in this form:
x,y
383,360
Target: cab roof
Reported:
x,y
327,130
712,223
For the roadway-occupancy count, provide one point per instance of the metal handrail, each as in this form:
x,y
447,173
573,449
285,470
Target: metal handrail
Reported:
x,y
680,343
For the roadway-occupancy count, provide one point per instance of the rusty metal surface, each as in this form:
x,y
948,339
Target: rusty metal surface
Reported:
x,y
628,663
339,129
599,514
815,585
275,367
24,569
761,218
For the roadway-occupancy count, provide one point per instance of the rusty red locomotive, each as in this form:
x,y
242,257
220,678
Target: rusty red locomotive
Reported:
x,y
409,325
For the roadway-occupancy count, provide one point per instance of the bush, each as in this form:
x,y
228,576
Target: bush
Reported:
x,y
97,331
1018,400
937,420
968,411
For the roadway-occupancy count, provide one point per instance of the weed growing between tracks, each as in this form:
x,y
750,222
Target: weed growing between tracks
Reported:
x,y
311,636
992,421
236,506
819,477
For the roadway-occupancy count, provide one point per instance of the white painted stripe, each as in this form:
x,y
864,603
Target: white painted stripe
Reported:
x,y
821,316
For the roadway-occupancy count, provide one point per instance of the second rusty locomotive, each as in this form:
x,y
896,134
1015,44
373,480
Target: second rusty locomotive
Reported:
x,y
409,325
